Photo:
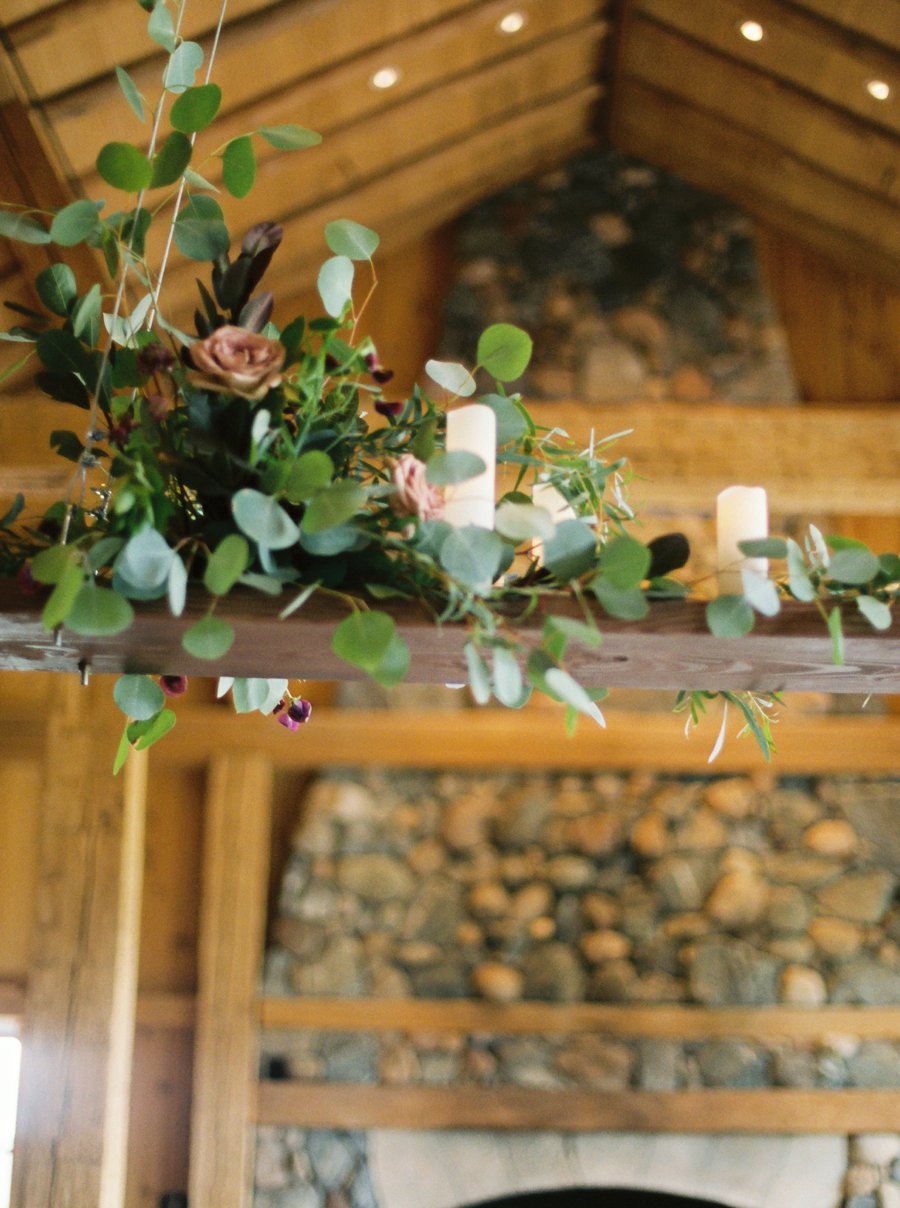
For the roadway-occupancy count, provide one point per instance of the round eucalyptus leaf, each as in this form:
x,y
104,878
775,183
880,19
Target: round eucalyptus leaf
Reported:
x,y
63,596
363,639
856,566
454,378
507,678
98,610
479,674
761,593
124,166
624,562
239,166
177,586
57,288
250,695
520,521
627,604
570,552
146,559
19,226
504,351
289,137
333,506
263,519
196,108
729,616
226,564
348,238
311,472
208,638
138,696
201,238
184,63
511,423
171,160
335,284
472,556
446,468
875,611
74,223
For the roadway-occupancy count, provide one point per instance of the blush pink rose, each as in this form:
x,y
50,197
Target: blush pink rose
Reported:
x,y
414,496
235,361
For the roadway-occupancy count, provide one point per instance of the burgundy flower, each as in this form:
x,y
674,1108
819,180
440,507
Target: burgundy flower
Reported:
x,y
285,719
235,361
155,358
173,685
26,581
300,710
377,370
391,409
414,496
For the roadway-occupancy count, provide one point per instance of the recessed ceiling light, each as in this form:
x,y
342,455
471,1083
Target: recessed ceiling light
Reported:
x,y
752,31
512,22
879,89
385,77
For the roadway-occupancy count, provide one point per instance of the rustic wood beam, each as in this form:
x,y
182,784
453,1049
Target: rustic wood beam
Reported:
x,y
543,1018
79,1015
232,930
671,648
349,1105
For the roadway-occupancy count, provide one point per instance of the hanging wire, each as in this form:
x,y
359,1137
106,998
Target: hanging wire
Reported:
x,y
88,459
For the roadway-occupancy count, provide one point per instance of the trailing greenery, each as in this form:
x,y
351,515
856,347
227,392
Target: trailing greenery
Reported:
x,y
270,456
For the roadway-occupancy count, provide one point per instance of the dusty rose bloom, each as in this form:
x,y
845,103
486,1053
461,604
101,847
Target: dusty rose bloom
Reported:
x,y
415,497
235,361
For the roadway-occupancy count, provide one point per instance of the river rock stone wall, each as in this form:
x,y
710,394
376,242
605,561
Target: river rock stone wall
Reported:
x,y
605,888
633,283
618,888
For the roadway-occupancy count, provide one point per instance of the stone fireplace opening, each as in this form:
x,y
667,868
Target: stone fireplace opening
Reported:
x,y
597,1197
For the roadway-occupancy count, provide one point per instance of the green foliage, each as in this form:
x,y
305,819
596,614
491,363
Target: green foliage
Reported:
x,y
244,456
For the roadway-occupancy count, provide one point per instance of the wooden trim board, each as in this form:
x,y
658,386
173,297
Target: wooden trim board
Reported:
x,y
332,1105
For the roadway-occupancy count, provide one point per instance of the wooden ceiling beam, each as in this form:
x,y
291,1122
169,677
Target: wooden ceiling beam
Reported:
x,y
818,58
410,132
754,172
838,143
427,58
875,19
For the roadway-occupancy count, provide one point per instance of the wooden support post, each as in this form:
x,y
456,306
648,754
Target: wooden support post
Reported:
x,y
232,926
79,1018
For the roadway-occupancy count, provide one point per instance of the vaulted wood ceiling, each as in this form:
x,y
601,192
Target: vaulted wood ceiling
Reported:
x,y
784,126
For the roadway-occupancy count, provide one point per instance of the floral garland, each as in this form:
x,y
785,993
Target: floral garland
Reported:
x,y
244,457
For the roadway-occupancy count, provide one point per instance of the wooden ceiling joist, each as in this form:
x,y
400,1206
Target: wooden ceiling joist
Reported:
x,y
427,58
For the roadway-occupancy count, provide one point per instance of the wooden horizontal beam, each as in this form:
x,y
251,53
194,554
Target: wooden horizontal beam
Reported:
x,y
875,19
764,1024
533,738
670,648
332,1105
812,460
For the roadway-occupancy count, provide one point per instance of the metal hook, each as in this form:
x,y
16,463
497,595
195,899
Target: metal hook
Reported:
x,y
84,667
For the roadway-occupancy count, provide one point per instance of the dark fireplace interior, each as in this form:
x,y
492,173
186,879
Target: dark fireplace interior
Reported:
x,y
598,1197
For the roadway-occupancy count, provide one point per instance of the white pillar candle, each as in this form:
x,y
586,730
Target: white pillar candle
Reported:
x,y
472,429
742,514
545,495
